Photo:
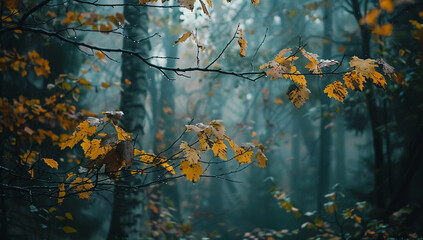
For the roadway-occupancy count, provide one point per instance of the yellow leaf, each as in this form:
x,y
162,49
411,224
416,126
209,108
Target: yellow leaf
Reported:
x,y
233,145
203,6
364,67
261,158
298,78
71,174
122,135
313,65
52,209
370,17
120,18
326,41
69,216
82,186
83,130
183,38
105,84
298,95
378,79
51,163
69,229
265,91
51,14
278,101
28,157
210,3
168,168
218,129
243,155
62,194
384,30
191,154
202,140
387,5
336,90
127,81
192,171
219,149
354,81
93,149
243,44
100,55
255,2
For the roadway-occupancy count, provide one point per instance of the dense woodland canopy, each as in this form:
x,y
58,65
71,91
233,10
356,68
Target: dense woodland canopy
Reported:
x,y
207,119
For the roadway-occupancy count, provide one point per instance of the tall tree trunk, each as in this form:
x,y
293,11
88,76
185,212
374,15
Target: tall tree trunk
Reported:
x,y
127,206
340,150
325,132
374,112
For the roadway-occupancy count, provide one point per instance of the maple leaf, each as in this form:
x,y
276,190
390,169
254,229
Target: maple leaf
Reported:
x,y
243,155
354,81
296,77
298,95
51,163
192,171
313,65
218,129
336,90
378,79
261,158
93,149
387,69
62,194
83,130
191,154
364,67
82,186
189,4
204,145
280,65
219,149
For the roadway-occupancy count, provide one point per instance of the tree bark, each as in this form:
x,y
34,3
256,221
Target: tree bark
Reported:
x,y
127,206
325,132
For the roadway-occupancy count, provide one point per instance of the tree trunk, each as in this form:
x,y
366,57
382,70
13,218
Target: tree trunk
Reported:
x,y
127,206
374,112
325,132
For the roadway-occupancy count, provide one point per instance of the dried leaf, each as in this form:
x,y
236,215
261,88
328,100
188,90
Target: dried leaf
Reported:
x,y
51,163
336,90
192,171
298,95
191,154
183,38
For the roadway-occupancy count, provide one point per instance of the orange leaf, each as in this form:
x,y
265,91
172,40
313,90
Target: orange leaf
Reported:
x,y
51,163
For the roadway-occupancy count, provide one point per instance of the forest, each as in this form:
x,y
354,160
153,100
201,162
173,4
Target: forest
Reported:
x,y
208,119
